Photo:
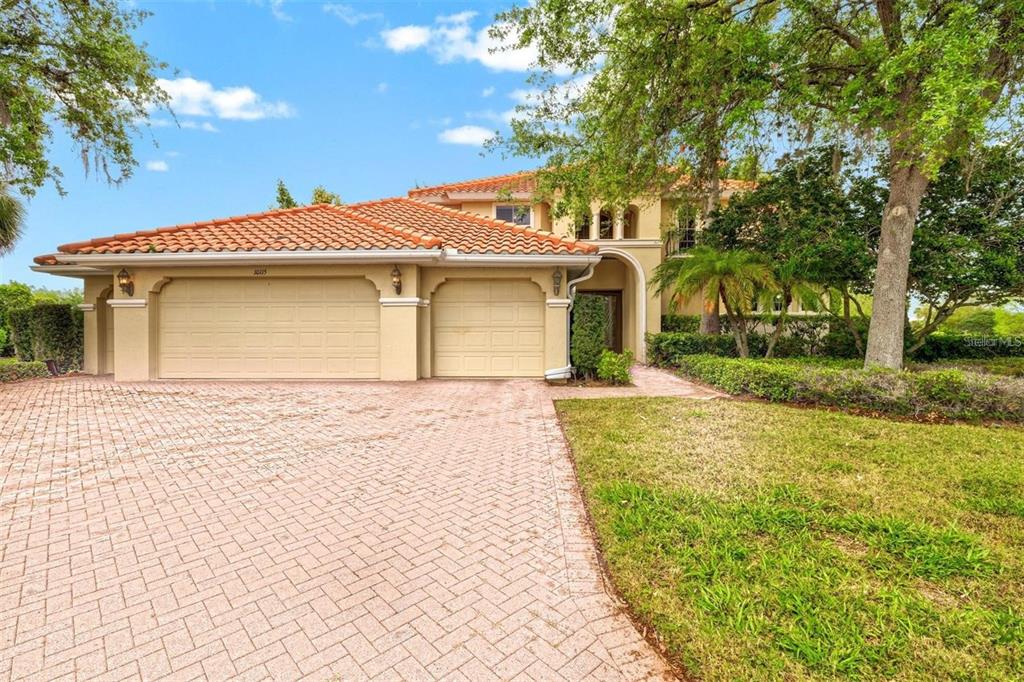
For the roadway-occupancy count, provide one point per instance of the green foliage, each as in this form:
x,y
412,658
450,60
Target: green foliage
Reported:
x,y
589,325
16,370
615,367
971,320
1009,322
967,346
950,394
19,325
12,220
680,323
78,66
13,296
284,197
968,249
48,331
733,276
321,195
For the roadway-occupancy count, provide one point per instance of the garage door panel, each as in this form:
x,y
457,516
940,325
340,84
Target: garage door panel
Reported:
x,y
488,328
224,328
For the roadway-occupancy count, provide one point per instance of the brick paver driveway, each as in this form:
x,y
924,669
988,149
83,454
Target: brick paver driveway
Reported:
x,y
276,530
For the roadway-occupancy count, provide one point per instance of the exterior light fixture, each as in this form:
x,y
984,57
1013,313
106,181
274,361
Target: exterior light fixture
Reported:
x,y
396,280
557,280
124,280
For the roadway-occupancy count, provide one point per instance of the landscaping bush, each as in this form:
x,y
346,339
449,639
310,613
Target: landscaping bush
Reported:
x,y
615,367
48,331
689,324
665,349
589,322
19,322
1010,367
951,394
16,370
967,347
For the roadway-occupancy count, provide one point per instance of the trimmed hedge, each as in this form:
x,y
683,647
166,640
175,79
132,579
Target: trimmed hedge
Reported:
x,y
951,394
48,331
589,322
16,370
689,324
615,367
967,347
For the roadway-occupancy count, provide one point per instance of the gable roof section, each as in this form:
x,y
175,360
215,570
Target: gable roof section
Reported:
x,y
469,232
525,183
402,224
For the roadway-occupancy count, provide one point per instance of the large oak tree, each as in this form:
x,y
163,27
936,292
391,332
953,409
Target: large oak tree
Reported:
x,y
665,88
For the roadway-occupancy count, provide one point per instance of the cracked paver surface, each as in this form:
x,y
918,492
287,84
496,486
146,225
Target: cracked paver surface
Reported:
x,y
183,530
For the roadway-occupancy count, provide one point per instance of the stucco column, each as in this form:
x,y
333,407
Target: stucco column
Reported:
x,y
595,224
399,356
133,342
90,338
426,337
618,224
556,336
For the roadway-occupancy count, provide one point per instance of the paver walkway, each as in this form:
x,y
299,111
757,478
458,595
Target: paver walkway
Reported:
x,y
298,530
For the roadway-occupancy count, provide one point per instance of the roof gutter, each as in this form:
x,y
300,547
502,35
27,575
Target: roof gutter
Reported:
x,y
88,261
69,270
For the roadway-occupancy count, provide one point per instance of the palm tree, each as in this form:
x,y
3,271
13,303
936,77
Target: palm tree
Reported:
x,y
732,277
790,286
12,220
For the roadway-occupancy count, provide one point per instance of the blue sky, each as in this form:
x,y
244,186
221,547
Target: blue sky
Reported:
x,y
368,99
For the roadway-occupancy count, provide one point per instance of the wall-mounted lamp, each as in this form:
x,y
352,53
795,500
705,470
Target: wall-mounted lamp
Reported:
x,y
557,280
396,280
124,280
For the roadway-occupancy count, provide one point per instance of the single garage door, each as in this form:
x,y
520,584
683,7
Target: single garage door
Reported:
x,y
270,329
488,328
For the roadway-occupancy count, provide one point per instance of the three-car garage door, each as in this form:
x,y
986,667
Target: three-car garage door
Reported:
x,y
325,328
488,328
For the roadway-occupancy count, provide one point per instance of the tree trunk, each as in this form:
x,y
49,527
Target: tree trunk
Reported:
x,y
710,317
907,185
710,320
739,328
780,324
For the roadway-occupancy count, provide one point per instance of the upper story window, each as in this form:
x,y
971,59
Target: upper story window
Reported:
x,y
513,213
606,224
683,235
630,222
582,226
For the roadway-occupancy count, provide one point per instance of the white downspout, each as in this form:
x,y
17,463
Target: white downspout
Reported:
x,y
570,288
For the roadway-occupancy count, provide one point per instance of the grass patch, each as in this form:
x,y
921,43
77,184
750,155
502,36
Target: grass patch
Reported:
x,y
764,542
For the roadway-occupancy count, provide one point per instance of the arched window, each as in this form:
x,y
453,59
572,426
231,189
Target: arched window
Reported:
x,y
606,224
582,226
630,222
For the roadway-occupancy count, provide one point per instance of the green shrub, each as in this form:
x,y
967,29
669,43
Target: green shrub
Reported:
x,y
57,334
965,346
19,322
615,367
16,370
48,331
689,324
589,325
952,394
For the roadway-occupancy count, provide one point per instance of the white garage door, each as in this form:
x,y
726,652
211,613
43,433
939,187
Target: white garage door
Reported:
x,y
270,329
488,328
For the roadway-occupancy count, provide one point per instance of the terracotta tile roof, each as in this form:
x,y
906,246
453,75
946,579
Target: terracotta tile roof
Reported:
x,y
385,224
48,259
469,232
522,182
526,183
306,228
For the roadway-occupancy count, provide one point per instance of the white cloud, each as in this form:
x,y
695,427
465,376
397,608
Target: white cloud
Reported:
x,y
487,92
349,15
452,38
205,126
157,166
468,135
277,9
191,97
382,87
405,38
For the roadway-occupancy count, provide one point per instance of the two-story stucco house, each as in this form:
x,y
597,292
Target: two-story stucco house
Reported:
x,y
469,279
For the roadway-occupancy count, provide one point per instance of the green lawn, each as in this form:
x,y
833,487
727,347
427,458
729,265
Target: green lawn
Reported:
x,y
767,542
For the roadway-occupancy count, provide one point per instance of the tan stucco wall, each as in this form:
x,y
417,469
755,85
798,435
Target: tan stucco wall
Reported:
x,y
405,319
541,211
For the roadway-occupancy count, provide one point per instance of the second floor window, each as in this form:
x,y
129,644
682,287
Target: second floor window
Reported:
x,y
512,213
